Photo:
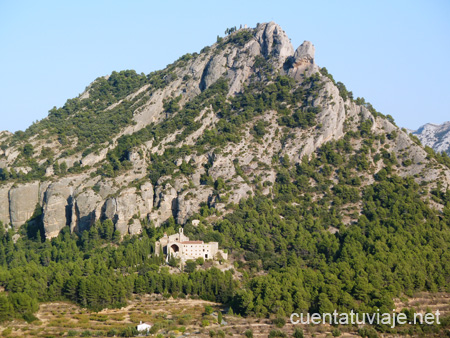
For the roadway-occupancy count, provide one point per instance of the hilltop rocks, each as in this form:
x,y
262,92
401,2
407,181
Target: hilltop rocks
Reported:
x,y
304,54
22,203
436,136
303,61
274,42
270,41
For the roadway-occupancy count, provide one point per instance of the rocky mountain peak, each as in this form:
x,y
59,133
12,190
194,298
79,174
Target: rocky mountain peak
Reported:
x,y
303,61
274,41
436,136
304,54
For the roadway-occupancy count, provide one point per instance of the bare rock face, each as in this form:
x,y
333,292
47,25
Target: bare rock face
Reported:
x,y
331,118
304,54
43,186
222,167
274,42
213,71
109,209
303,61
22,203
125,209
243,191
127,206
196,176
55,215
105,188
189,202
57,207
4,204
147,197
93,158
86,210
436,136
165,203
135,227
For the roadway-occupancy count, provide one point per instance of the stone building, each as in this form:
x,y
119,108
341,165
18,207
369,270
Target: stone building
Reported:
x,y
179,245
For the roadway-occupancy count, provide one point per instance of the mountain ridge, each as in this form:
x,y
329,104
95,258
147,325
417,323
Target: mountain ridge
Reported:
x,y
435,136
97,152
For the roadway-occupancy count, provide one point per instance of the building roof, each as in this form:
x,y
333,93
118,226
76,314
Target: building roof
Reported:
x,y
146,323
192,242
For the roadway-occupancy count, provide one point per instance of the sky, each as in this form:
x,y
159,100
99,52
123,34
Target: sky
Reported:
x,y
393,53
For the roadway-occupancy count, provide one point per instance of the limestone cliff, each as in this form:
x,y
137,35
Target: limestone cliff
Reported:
x,y
436,136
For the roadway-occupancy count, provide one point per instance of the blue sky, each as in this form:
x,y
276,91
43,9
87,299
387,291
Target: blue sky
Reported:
x,y
395,54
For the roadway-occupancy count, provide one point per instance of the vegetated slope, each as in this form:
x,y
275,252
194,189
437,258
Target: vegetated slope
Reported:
x,y
435,136
248,98
322,201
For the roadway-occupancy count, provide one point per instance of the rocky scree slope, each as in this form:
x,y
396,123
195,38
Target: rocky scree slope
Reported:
x,y
212,128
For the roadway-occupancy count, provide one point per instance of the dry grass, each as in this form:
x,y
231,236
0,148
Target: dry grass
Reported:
x,y
176,317
424,301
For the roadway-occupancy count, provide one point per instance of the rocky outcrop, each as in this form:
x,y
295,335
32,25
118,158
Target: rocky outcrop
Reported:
x,y
22,203
4,204
302,62
274,42
147,197
130,206
57,204
125,209
86,210
304,54
213,71
436,136
135,228
243,190
165,203
55,215
188,202
222,167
